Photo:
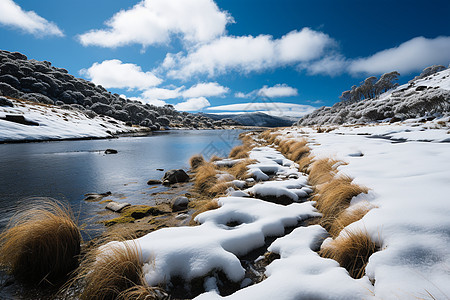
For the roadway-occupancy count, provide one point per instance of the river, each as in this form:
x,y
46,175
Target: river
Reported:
x,y
66,170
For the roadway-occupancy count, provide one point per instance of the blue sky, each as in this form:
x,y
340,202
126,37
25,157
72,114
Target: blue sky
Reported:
x,y
201,55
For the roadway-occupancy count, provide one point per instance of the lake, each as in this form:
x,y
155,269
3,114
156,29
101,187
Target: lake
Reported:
x,y
66,170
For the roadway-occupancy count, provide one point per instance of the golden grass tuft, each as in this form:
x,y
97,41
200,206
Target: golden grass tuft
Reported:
x,y
202,206
352,251
240,169
334,197
114,271
205,178
196,161
215,158
41,244
285,145
219,188
347,217
323,170
240,151
304,163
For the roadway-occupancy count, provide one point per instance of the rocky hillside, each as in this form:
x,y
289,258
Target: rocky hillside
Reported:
x,y
39,81
427,95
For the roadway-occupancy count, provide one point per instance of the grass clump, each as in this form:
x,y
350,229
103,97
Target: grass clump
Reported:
x,y
334,197
323,170
114,271
352,251
347,217
196,161
205,178
41,244
240,151
202,206
240,169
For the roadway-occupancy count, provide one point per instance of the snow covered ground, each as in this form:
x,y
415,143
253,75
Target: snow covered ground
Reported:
x,y
55,123
406,168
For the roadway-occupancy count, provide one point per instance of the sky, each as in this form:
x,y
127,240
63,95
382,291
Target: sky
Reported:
x,y
284,57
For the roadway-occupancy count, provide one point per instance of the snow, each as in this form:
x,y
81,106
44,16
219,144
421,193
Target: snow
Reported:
x,y
56,123
409,182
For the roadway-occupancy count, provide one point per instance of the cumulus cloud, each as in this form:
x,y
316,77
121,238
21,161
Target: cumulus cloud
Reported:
x,y
155,102
279,90
272,108
248,53
413,55
208,89
161,93
155,21
14,16
116,74
193,104
331,65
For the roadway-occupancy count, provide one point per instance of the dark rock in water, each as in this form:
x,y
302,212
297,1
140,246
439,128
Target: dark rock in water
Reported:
x,y
159,169
5,102
175,176
154,181
180,203
95,196
116,207
19,119
111,151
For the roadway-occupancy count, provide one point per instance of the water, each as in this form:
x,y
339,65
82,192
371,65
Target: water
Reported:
x,y
67,170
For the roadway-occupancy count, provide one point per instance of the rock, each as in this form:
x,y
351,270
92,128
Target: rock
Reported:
x,y
19,119
154,181
5,102
111,151
159,169
116,207
175,176
180,203
182,216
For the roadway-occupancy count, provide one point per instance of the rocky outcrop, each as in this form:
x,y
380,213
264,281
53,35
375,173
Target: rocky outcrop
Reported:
x,y
39,81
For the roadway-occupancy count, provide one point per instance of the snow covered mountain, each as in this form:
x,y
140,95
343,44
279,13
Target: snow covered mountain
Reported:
x,y
254,119
427,95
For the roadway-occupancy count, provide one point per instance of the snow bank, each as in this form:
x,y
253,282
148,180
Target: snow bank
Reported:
x,y
56,123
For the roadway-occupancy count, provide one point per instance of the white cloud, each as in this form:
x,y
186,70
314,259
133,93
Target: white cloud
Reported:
x,y
208,89
248,53
330,65
193,104
155,21
161,93
413,55
272,108
279,90
115,74
155,102
241,95
13,15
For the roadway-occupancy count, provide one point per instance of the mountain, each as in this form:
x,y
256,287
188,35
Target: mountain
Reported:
x,y
254,119
427,95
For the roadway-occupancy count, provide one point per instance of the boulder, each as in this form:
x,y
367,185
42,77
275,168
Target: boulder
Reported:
x,y
5,102
175,176
180,203
154,181
116,207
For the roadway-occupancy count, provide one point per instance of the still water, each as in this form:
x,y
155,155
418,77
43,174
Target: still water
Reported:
x,y
67,170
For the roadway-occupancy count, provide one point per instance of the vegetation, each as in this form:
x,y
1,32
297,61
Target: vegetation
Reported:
x,y
196,161
41,244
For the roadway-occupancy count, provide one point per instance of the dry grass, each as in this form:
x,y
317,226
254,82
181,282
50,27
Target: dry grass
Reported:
x,y
352,251
298,151
304,163
219,188
347,217
205,179
202,206
240,169
115,272
323,170
285,146
334,197
215,158
196,161
41,244
240,151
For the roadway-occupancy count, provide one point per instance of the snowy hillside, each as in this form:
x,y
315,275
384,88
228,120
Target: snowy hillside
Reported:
x,y
30,121
421,97
254,119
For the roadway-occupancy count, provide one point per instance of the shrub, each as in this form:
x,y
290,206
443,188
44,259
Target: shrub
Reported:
x,y
352,251
41,243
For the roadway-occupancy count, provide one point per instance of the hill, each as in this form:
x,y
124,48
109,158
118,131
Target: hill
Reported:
x,y
254,119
